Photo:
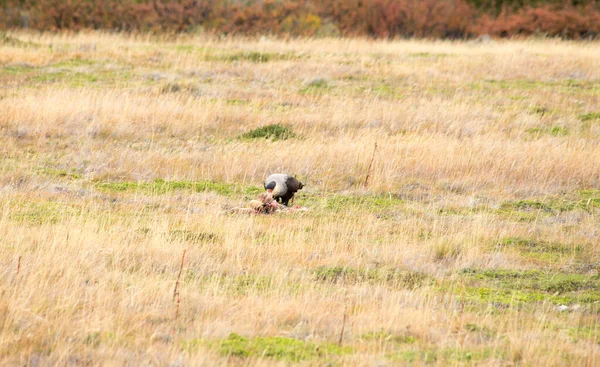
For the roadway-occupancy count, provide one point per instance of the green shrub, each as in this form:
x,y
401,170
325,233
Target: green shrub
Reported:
x,y
273,132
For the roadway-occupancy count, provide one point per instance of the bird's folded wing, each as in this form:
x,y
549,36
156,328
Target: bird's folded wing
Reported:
x,y
293,184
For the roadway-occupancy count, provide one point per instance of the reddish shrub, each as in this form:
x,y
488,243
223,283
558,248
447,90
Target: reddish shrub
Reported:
x,y
390,18
566,22
375,18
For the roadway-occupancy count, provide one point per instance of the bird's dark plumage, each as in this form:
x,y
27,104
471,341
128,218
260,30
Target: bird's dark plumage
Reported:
x,y
283,187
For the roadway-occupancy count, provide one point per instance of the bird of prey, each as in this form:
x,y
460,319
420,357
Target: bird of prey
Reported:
x,y
282,187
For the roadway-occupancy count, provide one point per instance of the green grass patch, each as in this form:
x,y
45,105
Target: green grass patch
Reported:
x,y
383,90
568,86
531,84
255,56
539,249
445,356
464,211
250,56
512,84
214,54
517,215
15,69
587,201
515,287
59,173
553,131
368,202
414,355
520,213
82,79
269,132
247,283
501,297
237,102
43,212
73,73
396,278
75,63
590,116
274,347
590,194
8,40
159,186
252,190
316,86
244,284
72,79
385,337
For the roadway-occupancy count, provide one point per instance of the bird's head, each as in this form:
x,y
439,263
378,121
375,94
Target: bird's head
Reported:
x,y
270,186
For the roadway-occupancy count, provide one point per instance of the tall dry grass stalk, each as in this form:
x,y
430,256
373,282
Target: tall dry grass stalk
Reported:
x,y
366,184
18,266
176,294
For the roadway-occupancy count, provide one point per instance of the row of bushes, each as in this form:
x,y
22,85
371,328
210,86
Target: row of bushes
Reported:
x,y
497,6
376,18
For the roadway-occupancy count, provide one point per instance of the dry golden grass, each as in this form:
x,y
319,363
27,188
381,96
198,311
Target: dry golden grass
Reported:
x,y
476,241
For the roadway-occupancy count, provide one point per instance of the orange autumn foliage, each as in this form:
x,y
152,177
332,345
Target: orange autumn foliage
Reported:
x,y
373,18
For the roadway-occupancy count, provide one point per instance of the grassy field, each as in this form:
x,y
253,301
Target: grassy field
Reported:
x,y
475,242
